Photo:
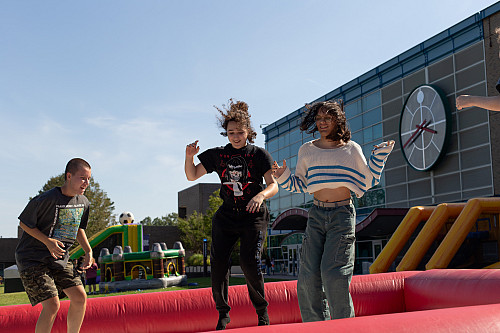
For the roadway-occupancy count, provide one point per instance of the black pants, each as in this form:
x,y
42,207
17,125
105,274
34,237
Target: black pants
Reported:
x,y
227,227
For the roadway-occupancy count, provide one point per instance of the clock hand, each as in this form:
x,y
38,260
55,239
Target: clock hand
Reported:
x,y
425,128
415,134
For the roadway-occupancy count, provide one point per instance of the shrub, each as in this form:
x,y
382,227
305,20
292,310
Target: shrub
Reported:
x,y
196,260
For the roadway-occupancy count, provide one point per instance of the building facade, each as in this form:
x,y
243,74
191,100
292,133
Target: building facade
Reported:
x,y
195,199
463,59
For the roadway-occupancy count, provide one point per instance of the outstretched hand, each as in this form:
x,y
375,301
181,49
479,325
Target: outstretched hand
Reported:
x,y
278,170
192,149
384,144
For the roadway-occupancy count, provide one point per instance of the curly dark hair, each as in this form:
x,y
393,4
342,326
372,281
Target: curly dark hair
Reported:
x,y
236,111
334,108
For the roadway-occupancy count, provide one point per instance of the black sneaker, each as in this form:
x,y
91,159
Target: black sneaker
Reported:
x,y
263,319
223,321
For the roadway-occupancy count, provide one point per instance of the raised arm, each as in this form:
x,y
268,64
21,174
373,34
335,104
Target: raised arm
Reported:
x,y
192,171
377,160
490,103
295,183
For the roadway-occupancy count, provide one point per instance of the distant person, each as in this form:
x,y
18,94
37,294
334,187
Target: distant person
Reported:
x,y
91,275
268,266
52,221
78,270
241,167
329,168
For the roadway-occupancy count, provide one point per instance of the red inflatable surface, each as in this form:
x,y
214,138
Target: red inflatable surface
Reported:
x,y
432,301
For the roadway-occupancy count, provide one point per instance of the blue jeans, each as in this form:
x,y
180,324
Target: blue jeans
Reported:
x,y
327,263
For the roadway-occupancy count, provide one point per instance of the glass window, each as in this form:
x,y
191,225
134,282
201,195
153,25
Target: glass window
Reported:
x,y
364,250
371,101
353,109
285,202
307,137
272,133
308,197
377,131
355,124
294,148
273,204
292,162
372,117
357,137
272,145
284,153
283,128
284,140
297,199
368,134
367,150
295,135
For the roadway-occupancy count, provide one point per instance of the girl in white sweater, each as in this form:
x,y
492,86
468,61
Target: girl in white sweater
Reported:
x,y
330,168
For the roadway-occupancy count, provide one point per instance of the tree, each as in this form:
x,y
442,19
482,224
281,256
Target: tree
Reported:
x,y
193,230
101,207
199,226
169,220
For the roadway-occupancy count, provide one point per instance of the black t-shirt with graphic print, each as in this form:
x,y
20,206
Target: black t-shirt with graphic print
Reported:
x,y
57,216
241,172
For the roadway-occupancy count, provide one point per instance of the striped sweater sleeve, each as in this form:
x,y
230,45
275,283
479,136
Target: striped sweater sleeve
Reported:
x,y
295,183
377,161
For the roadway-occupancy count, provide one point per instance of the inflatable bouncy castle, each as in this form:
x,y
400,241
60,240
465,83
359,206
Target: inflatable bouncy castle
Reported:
x,y
127,270
129,267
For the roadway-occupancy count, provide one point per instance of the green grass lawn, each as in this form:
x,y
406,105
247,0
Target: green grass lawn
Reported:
x,y
203,282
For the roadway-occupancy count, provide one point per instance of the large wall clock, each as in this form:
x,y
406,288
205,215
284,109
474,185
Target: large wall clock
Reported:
x,y
425,127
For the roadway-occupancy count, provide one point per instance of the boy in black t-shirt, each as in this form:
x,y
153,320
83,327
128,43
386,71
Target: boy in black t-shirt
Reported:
x,y
241,167
51,222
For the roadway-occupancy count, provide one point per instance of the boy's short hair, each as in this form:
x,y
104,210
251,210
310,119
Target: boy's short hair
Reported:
x,y
74,165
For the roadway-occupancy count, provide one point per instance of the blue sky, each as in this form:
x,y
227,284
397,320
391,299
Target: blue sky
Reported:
x,y
127,84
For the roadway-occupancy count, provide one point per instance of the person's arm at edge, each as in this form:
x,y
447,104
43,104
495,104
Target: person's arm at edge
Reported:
x,y
490,103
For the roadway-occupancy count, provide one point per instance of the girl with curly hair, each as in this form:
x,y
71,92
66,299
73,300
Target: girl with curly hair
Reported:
x,y
329,168
243,215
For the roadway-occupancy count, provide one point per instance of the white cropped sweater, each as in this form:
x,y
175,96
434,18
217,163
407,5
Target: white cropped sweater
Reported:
x,y
346,166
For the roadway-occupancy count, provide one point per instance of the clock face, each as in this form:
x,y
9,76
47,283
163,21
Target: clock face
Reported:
x,y
425,127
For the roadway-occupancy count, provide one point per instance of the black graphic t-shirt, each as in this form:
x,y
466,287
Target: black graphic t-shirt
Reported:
x,y
241,171
57,216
